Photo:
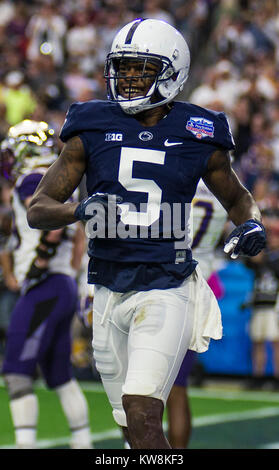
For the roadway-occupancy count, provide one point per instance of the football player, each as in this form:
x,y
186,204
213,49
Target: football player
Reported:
x,y
209,219
143,155
39,333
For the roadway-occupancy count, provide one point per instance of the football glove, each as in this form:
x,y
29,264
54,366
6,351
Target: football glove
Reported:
x,y
86,210
101,210
246,239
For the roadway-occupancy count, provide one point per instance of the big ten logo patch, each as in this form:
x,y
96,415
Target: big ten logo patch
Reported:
x,y
113,136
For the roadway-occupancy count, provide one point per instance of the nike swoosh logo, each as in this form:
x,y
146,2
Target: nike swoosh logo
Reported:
x,y
170,144
256,229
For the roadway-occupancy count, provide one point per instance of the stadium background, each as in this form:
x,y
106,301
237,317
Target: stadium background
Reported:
x,y
52,53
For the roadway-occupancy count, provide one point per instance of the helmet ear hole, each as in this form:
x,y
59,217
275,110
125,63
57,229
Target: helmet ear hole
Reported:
x,y
170,88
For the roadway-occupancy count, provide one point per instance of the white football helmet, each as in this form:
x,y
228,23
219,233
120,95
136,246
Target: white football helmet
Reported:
x,y
29,144
149,40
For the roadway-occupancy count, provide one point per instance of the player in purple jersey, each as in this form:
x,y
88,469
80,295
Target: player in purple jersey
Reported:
x,y
143,154
39,333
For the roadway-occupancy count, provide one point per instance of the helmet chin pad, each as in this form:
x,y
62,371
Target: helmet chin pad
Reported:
x,y
138,104
133,106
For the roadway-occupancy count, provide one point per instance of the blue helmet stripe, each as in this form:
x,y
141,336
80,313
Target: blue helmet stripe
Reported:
x,y
131,31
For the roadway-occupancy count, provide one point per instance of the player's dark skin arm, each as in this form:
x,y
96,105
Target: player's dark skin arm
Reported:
x,y
223,182
47,209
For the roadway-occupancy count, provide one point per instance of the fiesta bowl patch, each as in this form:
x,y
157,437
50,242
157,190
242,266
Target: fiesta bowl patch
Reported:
x,y
200,127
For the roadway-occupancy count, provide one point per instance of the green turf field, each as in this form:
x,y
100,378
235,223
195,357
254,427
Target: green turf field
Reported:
x,y
222,419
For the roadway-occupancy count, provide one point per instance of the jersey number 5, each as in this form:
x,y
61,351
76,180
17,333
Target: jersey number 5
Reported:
x,y
128,156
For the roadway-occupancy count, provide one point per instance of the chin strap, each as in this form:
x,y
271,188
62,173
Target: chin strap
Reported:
x,y
129,107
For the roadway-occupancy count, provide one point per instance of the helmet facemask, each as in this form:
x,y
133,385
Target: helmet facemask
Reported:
x,y
131,101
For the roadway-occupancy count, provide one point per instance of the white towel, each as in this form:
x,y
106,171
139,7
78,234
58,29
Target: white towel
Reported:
x,y
207,315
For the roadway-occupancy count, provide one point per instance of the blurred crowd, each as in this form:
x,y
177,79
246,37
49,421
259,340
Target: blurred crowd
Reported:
x,y
52,53
240,71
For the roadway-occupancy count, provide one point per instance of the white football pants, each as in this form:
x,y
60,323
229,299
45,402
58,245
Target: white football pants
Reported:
x,y
140,340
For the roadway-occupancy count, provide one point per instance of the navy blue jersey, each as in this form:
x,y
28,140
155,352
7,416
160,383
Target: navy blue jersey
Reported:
x,y
152,169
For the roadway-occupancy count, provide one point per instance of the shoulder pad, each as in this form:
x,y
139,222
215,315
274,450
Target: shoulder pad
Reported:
x,y
85,116
210,125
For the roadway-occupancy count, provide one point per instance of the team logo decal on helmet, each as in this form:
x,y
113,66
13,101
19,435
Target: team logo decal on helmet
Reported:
x,y
147,41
